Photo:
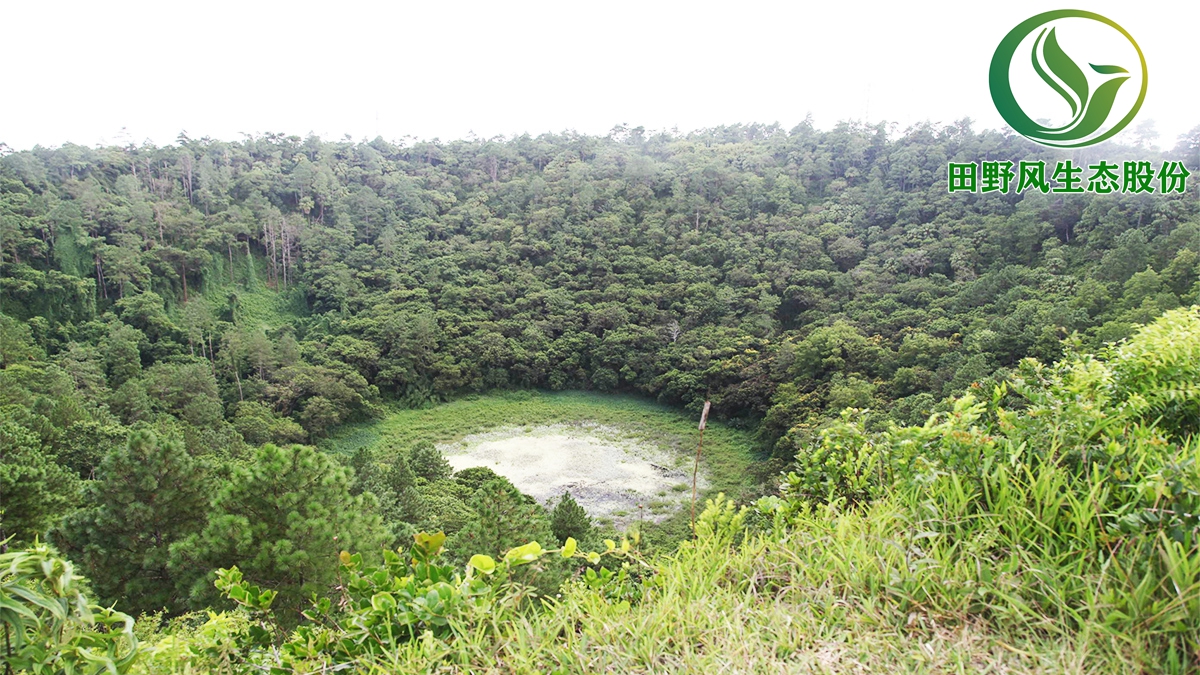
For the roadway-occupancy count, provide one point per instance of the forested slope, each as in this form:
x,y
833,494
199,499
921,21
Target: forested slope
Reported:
x,y
173,320
779,273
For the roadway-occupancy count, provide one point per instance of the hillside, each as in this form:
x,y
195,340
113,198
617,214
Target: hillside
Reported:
x,y
962,425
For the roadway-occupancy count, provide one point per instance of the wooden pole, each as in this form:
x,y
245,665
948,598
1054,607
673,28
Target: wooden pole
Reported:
x,y
696,466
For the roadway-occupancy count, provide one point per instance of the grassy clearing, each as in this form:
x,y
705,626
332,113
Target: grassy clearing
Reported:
x,y
268,309
727,452
258,306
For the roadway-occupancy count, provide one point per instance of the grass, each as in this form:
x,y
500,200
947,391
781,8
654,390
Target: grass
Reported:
x,y
826,591
771,604
268,309
258,305
727,452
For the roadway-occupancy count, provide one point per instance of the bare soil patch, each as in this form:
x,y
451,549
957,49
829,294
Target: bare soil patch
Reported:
x,y
609,473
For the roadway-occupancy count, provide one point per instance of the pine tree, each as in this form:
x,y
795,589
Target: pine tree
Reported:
x,y
403,502
427,462
148,495
283,520
367,475
395,486
504,520
35,491
570,520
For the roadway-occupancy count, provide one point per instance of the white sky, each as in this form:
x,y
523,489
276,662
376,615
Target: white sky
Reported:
x,y
82,72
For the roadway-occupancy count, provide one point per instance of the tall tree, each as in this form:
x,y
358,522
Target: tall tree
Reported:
x,y
147,497
283,519
35,491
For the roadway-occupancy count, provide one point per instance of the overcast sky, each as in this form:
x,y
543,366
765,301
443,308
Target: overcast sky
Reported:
x,y
85,72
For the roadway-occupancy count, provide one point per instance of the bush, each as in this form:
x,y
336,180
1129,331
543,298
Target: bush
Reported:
x,y
259,424
50,626
475,477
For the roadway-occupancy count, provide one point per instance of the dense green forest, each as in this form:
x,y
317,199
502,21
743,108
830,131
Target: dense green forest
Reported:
x,y
182,327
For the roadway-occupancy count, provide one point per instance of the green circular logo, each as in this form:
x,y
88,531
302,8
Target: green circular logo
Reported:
x,y
1091,100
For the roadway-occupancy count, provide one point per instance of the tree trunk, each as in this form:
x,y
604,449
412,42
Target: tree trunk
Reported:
x,y
285,245
100,278
212,361
237,378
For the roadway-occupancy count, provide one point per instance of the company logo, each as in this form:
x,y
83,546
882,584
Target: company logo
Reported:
x,y
1033,78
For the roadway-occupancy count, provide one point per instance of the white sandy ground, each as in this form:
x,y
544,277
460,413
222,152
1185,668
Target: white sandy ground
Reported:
x,y
609,475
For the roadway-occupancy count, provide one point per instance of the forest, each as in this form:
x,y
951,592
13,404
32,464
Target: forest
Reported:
x,y
1007,385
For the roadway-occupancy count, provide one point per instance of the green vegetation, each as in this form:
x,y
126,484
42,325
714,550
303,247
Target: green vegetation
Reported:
x,y
1074,477
283,517
1051,527
49,624
962,427
148,498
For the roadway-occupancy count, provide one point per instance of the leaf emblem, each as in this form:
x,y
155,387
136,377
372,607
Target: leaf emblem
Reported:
x,y
1089,110
1090,94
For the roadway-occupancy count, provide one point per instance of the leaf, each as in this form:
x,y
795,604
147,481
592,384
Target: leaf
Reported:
x,y
483,563
383,602
1098,108
1064,68
427,545
568,549
524,554
1107,70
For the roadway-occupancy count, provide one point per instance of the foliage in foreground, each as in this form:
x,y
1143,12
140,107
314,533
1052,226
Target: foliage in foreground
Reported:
x,y
50,626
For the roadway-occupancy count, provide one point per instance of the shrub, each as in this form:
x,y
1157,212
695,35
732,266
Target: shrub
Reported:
x,y
50,626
